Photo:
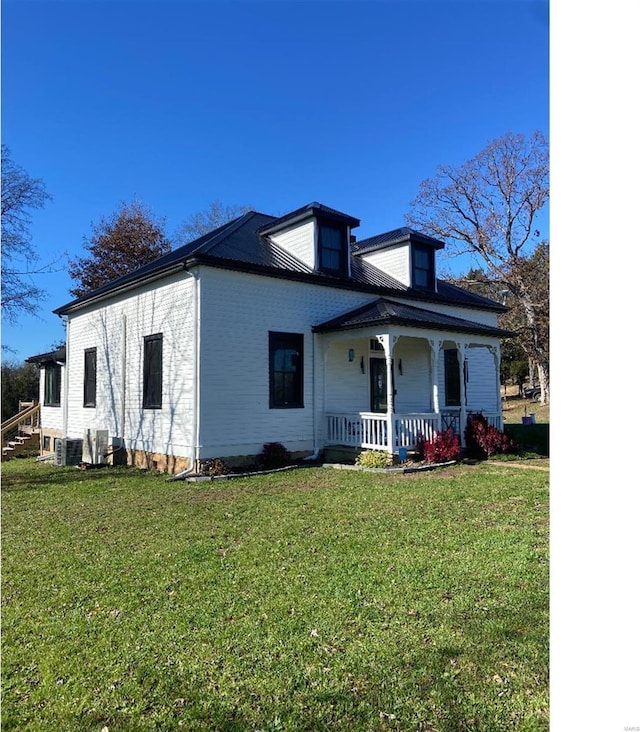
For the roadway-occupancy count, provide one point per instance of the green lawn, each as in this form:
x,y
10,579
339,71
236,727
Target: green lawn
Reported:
x,y
314,599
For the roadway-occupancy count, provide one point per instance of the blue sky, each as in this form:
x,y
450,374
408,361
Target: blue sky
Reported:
x,y
268,104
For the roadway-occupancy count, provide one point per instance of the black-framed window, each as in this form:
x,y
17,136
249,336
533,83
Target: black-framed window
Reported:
x,y
332,248
451,378
52,384
286,361
152,372
423,269
90,370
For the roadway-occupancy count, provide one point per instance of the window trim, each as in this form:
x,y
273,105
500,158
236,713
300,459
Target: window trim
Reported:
x,y
88,383
343,267
429,251
288,341
47,396
148,374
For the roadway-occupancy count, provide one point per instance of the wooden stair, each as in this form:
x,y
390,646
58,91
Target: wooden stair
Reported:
x,y
18,431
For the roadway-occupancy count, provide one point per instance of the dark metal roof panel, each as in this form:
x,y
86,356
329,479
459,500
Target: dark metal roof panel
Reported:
x,y
239,245
305,212
391,238
52,356
388,312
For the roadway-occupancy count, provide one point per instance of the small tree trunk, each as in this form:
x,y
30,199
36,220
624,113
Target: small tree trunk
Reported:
x,y
543,377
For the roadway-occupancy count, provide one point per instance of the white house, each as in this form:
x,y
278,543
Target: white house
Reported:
x,y
272,330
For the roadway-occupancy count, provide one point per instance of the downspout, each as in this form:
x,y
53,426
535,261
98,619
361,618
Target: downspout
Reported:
x,y
316,448
195,423
65,410
123,405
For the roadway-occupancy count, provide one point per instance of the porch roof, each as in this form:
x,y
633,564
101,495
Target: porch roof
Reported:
x,y
388,312
59,355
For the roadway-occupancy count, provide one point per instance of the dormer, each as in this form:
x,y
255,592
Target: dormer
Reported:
x,y
406,255
317,235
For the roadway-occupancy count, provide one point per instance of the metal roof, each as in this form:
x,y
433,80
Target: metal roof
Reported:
x,y
391,238
51,357
387,312
242,245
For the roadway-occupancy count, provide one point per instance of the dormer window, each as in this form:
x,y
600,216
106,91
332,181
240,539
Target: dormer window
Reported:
x,y
422,268
332,248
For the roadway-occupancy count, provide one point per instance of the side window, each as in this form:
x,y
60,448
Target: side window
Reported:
x,y
152,372
332,248
90,364
451,378
286,360
52,384
423,269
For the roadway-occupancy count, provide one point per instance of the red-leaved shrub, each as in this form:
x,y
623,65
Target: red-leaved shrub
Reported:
x,y
274,455
484,440
441,448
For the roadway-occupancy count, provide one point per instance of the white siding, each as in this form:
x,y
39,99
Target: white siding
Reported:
x,y
347,388
299,241
395,261
413,386
165,308
51,417
481,387
238,311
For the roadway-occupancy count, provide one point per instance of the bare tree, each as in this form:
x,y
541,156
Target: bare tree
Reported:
x,y
20,195
205,221
488,206
120,243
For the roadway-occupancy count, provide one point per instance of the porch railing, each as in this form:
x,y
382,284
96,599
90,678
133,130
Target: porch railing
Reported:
x,y
369,429
410,427
26,420
365,429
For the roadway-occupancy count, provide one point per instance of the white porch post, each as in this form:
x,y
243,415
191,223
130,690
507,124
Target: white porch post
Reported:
x,y
463,390
495,351
435,396
388,342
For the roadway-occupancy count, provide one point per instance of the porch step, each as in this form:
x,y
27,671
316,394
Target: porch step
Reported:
x,y
340,454
17,445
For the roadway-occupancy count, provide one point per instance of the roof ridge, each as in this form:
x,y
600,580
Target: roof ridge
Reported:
x,y
226,229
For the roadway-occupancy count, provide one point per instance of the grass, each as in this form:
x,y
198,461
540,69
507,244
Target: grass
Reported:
x,y
307,600
514,408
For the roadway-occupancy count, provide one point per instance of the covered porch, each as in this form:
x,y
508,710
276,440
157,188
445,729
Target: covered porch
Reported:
x,y
411,373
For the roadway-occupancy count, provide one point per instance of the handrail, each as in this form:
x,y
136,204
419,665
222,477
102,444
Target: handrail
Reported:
x,y
19,418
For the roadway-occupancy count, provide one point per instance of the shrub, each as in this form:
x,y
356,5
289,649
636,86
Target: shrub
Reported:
x,y
215,466
484,440
441,448
374,459
274,455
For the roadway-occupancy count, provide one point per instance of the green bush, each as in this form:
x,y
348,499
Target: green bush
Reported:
x,y
531,437
374,459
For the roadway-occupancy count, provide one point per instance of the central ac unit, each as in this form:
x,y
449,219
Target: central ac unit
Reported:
x,y
68,451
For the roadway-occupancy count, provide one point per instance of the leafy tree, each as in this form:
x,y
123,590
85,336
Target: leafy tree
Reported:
x,y
205,221
20,195
19,382
120,243
488,206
